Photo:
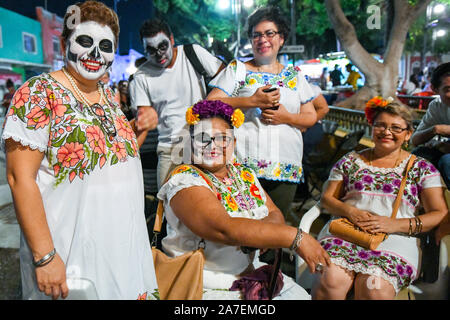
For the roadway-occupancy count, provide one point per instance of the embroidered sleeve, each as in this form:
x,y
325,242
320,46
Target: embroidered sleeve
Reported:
x,y
305,91
33,108
184,177
428,174
338,171
227,80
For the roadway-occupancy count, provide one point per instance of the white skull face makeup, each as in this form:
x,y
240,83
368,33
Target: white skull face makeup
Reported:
x,y
159,50
90,49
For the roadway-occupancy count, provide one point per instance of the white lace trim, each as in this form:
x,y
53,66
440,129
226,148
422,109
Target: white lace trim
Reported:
x,y
22,141
372,270
398,169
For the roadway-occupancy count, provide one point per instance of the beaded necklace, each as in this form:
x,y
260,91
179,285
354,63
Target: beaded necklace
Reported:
x,y
80,94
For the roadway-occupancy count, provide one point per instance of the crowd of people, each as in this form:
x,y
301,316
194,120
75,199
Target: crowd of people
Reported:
x,y
75,173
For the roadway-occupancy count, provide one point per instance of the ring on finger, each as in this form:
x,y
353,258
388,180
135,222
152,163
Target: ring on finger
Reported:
x,y
274,101
319,267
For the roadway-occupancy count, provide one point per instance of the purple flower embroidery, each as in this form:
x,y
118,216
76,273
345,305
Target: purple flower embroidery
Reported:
x,y
432,168
376,253
387,188
363,255
262,164
345,180
397,183
368,179
327,246
422,164
414,190
359,186
409,270
337,241
280,83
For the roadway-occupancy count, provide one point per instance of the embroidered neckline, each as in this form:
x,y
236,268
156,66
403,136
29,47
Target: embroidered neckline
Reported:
x,y
398,169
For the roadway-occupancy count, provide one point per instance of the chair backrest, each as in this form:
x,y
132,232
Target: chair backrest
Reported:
x,y
329,127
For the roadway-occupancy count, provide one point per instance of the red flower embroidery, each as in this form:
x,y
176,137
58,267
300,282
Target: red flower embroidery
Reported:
x,y
96,139
37,118
21,96
119,149
70,154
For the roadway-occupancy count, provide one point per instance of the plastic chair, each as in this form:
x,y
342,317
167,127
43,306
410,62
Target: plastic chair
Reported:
x,y
420,290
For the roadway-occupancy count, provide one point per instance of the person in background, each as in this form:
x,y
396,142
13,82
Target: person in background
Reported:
x,y
436,124
8,96
353,76
336,76
125,103
324,79
412,86
165,85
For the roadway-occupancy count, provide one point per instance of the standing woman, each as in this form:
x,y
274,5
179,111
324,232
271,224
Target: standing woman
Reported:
x,y
75,174
269,141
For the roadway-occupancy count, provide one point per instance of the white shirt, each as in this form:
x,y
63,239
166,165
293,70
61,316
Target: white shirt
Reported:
x,y
171,91
437,113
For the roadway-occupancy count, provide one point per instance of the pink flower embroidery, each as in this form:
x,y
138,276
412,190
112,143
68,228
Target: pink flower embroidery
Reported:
x,y
119,150
96,139
56,105
70,154
37,118
21,96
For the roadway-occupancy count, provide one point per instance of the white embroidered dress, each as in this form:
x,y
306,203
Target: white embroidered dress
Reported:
x,y
274,152
222,262
374,189
92,190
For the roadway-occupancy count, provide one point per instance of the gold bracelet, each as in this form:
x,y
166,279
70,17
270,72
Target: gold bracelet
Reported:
x,y
410,228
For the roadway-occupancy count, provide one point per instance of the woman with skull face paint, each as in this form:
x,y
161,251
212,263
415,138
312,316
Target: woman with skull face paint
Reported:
x,y
75,174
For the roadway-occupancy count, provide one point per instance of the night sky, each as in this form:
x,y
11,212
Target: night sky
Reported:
x,y
132,14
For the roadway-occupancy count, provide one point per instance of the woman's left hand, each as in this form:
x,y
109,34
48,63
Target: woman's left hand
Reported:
x,y
275,117
376,224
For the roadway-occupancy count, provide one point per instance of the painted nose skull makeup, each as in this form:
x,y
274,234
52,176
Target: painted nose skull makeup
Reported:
x,y
159,50
90,49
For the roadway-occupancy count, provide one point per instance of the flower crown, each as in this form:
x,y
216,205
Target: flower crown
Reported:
x,y
373,105
207,109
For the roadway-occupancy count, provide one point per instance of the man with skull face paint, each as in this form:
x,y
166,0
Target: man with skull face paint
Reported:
x,y
166,85
75,174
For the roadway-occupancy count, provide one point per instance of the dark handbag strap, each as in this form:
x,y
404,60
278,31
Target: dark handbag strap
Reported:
x,y
193,59
398,199
160,210
275,269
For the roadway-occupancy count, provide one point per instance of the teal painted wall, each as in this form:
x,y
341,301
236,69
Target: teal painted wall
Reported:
x,y
12,26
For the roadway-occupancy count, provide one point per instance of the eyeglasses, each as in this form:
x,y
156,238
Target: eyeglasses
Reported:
x,y
106,123
268,34
393,129
203,140
162,48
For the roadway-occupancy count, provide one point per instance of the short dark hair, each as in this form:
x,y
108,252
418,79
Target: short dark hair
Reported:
x,y
9,83
442,71
269,13
152,27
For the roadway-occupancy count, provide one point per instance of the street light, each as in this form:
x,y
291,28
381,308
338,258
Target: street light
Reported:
x,y
439,8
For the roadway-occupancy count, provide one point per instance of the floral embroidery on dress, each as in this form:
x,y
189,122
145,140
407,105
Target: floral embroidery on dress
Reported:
x,y
77,143
360,177
286,78
230,196
356,258
274,170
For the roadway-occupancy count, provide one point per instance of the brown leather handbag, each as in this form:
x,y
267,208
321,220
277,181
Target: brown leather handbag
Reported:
x,y
346,230
179,278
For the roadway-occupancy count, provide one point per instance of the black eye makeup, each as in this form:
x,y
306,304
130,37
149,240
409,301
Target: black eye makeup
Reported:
x,y
106,46
84,41
162,47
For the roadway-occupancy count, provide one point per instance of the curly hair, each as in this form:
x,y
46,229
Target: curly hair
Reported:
x,y
152,27
93,11
269,13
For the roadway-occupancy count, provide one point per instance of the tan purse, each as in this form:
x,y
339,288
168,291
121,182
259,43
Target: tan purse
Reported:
x,y
346,230
179,278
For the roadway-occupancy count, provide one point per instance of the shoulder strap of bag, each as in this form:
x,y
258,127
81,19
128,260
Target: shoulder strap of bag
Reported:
x,y
398,199
160,210
193,59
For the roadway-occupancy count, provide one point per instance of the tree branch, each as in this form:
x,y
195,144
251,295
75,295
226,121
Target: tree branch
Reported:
x,y
346,33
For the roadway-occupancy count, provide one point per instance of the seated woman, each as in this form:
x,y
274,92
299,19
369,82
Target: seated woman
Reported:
x,y
231,213
370,180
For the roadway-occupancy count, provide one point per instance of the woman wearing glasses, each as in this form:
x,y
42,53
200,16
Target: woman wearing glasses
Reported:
x,y
362,187
228,209
276,102
75,173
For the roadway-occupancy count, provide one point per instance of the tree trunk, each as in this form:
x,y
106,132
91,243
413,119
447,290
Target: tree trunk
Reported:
x,y
381,78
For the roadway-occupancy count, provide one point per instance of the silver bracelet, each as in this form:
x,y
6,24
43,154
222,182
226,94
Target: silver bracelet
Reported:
x,y
296,243
45,259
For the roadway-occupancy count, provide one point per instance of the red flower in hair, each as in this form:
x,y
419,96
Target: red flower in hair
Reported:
x,y
373,105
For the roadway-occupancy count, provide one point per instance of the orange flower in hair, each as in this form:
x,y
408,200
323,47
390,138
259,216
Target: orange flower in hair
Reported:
x,y
374,105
